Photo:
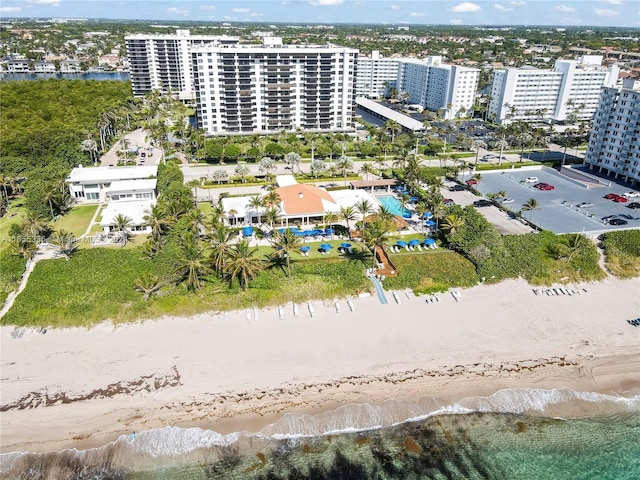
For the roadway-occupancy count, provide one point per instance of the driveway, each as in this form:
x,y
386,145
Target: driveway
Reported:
x,y
136,140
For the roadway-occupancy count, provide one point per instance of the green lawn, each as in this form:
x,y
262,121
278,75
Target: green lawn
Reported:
x,y
13,216
11,269
76,220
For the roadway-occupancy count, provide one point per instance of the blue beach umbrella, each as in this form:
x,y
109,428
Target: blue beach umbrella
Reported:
x,y
413,242
401,243
281,230
429,241
329,231
308,233
325,246
427,215
345,245
305,248
406,215
247,231
430,223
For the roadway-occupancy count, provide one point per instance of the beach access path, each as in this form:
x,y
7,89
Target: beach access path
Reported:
x,y
235,371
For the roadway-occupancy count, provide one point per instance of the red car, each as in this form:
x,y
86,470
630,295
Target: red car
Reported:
x,y
611,196
544,186
472,181
620,199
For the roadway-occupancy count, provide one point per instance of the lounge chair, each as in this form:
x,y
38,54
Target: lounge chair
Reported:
x,y
419,247
296,312
312,312
350,304
337,307
281,312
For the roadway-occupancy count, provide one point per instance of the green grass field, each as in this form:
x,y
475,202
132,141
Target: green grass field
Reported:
x,y
76,220
13,216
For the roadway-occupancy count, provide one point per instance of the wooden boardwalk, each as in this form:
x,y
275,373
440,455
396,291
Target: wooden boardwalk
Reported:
x,y
385,267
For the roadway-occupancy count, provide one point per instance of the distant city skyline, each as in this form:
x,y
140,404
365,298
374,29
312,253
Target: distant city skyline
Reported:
x,y
597,13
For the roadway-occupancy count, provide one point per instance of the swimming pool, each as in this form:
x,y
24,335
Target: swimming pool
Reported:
x,y
392,204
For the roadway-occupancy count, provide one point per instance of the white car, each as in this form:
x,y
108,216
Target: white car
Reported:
x,y
631,194
531,180
505,200
585,205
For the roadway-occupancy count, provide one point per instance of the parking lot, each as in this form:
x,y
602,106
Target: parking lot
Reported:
x,y
558,211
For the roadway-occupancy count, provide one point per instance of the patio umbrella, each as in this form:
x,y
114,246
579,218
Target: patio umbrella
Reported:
x,y
325,246
413,242
281,230
298,233
429,241
413,199
305,248
345,245
406,214
247,231
430,223
329,231
427,215
308,233
401,243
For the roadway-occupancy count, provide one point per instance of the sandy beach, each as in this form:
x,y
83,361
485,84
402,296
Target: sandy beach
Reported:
x,y
237,371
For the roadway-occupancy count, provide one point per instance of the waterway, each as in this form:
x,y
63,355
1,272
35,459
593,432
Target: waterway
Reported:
x,y
114,76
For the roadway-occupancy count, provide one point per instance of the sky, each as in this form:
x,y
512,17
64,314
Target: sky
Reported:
x,y
616,13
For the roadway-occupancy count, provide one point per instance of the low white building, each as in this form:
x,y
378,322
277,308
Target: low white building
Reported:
x,y
126,190
133,210
92,184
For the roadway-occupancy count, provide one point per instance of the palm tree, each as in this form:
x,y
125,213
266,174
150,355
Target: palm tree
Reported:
x,y
452,223
256,203
348,214
220,241
195,218
393,127
33,225
148,284
364,207
285,243
344,163
366,168
529,206
572,243
192,262
242,264
272,215
156,218
375,235
122,224
65,241
478,144
271,199
52,197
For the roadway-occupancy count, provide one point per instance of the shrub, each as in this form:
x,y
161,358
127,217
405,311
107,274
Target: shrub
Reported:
x,y
11,269
622,250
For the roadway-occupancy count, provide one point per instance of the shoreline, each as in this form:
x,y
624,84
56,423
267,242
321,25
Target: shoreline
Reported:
x,y
218,371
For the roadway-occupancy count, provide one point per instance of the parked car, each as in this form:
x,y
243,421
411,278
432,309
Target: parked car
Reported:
x,y
544,186
631,194
531,180
471,181
611,196
620,199
448,202
482,203
456,188
505,200
142,154
585,205
617,221
634,205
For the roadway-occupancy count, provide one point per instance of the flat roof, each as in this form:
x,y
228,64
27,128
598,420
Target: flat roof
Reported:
x,y
134,209
132,185
386,112
390,182
111,174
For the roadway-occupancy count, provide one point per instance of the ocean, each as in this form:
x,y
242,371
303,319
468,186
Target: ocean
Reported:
x,y
513,434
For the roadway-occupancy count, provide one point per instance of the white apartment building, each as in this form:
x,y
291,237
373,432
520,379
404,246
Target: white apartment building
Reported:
x,y
375,74
614,144
532,94
448,89
268,88
163,61
102,184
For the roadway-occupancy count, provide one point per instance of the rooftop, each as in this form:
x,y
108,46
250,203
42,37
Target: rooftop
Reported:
x,y
132,185
405,121
110,174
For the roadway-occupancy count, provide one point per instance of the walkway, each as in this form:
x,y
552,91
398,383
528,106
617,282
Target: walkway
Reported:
x,y
44,253
379,290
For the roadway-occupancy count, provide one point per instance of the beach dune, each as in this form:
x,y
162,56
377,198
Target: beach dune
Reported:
x,y
80,388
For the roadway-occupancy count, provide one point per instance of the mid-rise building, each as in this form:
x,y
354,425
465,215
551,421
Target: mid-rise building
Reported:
x,y
273,87
162,62
375,75
614,143
571,88
448,89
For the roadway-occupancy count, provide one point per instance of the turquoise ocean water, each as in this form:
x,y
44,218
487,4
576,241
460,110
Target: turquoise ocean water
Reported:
x,y
514,434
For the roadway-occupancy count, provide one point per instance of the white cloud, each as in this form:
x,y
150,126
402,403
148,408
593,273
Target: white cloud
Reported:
x,y
565,9
10,9
466,7
614,2
502,8
606,12
325,3
518,3
455,21
207,7
178,11
55,3
416,14
240,10
395,6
